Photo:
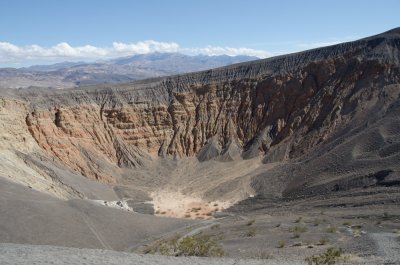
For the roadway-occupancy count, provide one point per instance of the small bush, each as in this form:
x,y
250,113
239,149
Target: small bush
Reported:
x,y
148,250
317,222
330,257
201,246
331,229
298,220
297,231
356,232
216,226
386,216
250,233
251,222
263,255
323,241
167,247
300,229
281,244
197,245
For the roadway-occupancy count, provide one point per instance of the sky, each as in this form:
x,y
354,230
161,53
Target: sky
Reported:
x,y
49,31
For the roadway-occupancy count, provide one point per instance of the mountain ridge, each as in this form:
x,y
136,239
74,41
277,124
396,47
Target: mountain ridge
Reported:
x,y
72,74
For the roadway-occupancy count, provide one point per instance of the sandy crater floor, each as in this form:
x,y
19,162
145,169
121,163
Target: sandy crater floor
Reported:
x,y
178,205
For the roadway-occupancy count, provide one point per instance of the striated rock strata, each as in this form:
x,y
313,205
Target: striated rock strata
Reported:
x,y
280,108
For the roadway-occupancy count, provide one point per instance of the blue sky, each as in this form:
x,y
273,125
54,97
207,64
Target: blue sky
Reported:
x,y
45,31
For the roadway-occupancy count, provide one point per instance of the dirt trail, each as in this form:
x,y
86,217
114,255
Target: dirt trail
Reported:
x,y
102,241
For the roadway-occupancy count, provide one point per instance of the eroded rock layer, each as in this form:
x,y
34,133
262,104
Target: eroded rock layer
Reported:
x,y
281,108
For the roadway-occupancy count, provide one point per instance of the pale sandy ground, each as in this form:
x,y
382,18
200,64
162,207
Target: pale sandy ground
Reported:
x,y
178,205
191,189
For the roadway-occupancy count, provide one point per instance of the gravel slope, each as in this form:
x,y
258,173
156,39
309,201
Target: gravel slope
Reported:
x,y
30,254
388,247
30,217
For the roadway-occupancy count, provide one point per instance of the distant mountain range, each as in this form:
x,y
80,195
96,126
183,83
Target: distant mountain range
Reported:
x,y
71,74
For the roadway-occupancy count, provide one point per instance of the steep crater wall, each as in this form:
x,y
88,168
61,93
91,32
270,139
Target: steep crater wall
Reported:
x,y
255,114
281,107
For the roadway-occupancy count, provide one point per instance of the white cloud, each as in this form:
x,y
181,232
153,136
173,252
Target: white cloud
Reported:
x,y
13,54
144,47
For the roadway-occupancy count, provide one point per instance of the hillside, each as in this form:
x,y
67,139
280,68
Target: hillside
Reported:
x,y
297,133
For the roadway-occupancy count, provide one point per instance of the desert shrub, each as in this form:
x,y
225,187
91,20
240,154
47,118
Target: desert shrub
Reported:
x,y
196,209
356,232
317,222
250,232
148,250
167,247
201,246
300,229
298,220
331,229
330,257
281,244
216,226
297,231
263,255
323,241
386,216
197,245
249,223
